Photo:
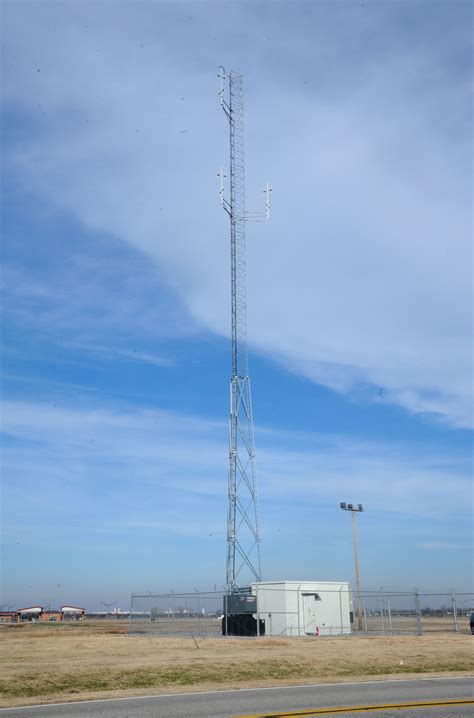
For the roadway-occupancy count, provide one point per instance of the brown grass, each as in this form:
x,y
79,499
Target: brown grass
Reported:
x,y
41,663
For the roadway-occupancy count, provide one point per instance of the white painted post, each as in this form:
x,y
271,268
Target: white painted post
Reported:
x,y
455,614
298,608
340,609
258,614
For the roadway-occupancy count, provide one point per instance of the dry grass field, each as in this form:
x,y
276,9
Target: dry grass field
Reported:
x,y
45,663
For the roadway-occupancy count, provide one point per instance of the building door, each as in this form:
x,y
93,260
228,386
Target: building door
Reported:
x,y
309,613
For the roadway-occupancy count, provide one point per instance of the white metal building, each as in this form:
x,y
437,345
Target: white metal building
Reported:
x,y
73,612
31,613
304,608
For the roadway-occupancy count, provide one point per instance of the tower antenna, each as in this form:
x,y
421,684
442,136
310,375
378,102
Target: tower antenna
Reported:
x,y
243,531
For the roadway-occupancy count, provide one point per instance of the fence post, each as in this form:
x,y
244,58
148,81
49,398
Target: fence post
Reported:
x,y
340,609
389,617
130,617
258,612
381,612
365,616
419,627
298,608
455,615
226,613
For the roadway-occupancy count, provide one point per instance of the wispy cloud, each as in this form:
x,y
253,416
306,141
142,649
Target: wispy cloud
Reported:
x,y
440,545
111,352
367,262
144,492
117,300
179,459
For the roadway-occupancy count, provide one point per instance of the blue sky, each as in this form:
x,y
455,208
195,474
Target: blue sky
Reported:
x,y
116,293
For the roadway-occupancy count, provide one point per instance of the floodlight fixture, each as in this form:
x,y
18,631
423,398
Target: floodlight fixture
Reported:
x,y
351,507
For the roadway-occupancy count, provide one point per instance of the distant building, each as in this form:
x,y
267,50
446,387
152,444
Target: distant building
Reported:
x,y
8,616
51,615
73,613
31,613
39,613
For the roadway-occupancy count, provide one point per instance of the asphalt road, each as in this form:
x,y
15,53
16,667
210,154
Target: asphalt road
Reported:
x,y
268,701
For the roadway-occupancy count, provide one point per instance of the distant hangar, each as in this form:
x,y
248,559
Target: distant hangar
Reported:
x,y
39,613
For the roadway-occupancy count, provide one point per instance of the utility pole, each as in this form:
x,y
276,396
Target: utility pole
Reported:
x,y
243,531
355,509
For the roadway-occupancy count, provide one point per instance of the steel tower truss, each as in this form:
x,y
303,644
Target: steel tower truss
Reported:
x,y
243,532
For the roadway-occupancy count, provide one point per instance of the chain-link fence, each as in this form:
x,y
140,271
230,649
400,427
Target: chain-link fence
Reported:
x,y
300,611
398,613
177,614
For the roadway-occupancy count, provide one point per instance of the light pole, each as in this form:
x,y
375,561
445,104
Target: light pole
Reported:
x,y
108,606
355,509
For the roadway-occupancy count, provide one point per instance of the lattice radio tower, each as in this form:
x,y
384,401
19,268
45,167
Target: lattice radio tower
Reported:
x,y
243,532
